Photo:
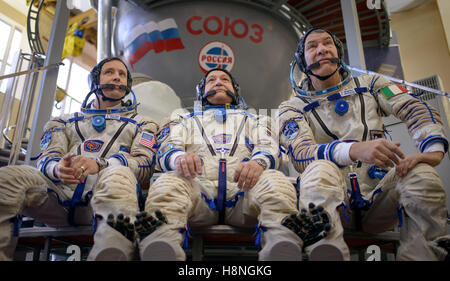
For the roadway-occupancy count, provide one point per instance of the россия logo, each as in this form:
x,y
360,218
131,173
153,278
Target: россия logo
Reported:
x,y
216,54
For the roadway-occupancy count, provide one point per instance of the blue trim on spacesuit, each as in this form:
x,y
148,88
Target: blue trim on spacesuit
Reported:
x,y
268,155
122,159
433,139
44,165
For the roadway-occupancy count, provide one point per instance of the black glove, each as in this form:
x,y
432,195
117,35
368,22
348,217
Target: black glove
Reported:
x,y
145,224
445,244
311,226
123,225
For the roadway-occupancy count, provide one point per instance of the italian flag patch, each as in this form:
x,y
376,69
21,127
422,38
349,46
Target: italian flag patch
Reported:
x,y
392,90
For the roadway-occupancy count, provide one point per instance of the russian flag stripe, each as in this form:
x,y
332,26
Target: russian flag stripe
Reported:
x,y
140,52
137,43
174,44
167,23
170,33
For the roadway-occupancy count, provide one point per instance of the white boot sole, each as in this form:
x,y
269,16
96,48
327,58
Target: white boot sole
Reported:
x,y
111,254
326,252
158,251
285,251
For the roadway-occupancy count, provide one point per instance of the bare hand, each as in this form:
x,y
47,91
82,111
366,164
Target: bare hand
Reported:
x,y
410,161
84,166
188,165
247,174
380,152
63,170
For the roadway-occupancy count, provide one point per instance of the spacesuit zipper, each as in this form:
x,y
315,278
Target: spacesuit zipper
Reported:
x,y
202,131
116,135
236,141
363,115
77,128
324,127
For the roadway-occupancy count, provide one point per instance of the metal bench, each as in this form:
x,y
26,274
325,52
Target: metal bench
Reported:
x,y
217,242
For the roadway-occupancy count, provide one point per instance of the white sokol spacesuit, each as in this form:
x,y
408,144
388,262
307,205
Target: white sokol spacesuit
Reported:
x,y
121,137
316,128
197,202
222,136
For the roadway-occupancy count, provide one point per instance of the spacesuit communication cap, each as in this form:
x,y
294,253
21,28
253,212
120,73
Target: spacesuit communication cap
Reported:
x,y
300,53
200,89
94,80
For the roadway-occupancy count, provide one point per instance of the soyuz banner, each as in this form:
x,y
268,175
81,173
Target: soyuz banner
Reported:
x,y
176,43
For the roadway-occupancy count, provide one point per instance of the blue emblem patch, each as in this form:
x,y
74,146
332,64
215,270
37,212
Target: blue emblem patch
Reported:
x,y
124,149
161,135
222,138
45,139
291,128
93,145
163,150
249,144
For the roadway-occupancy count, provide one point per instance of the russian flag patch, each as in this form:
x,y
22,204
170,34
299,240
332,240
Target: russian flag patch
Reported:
x,y
148,140
393,90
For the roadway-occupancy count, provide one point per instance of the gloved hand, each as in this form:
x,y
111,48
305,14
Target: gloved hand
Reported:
x,y
145,224
311,226
445,244
123,225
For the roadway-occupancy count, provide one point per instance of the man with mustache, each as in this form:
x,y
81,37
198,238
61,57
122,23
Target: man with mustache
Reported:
x,y
334,133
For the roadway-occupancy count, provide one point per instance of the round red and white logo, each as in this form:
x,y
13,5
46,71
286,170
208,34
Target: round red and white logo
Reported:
x,y
216,54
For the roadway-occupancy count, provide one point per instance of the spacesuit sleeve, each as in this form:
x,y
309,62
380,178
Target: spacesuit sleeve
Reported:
x,y
172,137
423,122
265,141
142,157
298,140
54,145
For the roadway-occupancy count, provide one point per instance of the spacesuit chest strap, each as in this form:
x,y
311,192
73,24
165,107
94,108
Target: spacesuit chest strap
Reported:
x,y
236,140
320,121
114,138
202,131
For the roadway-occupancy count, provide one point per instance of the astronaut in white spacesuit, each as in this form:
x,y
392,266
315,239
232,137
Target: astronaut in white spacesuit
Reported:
x,y
220,166
92,167
334,135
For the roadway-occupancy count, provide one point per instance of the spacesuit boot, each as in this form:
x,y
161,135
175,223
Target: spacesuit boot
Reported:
x,y
280,244
323,184
164,244
110,245
114,194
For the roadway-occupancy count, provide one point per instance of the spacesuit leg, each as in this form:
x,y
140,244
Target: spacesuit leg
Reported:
x,y
20,186
114,193
171,194
423,198
272,199
323,184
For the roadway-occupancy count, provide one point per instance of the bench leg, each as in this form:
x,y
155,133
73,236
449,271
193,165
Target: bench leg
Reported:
x,y
197,247
46,251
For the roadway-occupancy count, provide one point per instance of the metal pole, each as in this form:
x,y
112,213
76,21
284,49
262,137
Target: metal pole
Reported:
x,y
20,122
353,33
403,82
47,89
8,98
104,29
